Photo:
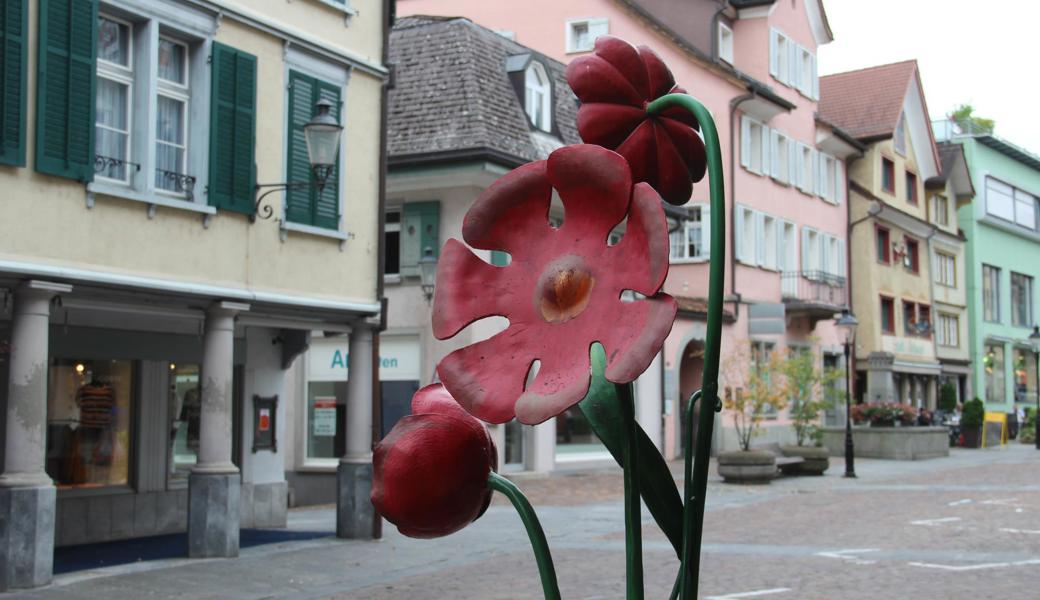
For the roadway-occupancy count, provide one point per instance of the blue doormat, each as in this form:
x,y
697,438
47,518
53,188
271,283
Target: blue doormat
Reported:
x,y
69,559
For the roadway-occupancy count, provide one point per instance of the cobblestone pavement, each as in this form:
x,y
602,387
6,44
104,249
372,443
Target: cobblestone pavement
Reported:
x,y
967,526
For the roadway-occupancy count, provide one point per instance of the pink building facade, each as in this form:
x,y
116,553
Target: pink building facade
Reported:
x,y
753,64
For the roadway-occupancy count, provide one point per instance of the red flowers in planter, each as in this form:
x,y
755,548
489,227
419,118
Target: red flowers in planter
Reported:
x,y
562,290
615,84
430,473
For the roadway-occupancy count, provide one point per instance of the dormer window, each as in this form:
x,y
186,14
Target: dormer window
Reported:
x,y
538,96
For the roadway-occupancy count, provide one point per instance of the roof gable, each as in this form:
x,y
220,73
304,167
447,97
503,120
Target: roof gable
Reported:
x,y
867,103
453,94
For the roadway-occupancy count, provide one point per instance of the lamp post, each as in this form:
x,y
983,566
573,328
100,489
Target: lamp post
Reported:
x,y
428,273
322,134
1034,341
846,323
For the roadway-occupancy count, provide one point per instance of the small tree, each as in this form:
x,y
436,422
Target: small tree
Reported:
x,y
965,118
948,398
754,388
973,414
803,384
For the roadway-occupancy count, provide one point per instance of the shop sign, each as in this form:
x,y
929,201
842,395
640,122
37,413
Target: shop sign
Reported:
x,y
328,359
900,345
324,422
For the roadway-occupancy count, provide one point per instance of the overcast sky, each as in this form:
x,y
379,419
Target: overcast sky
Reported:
x,y
984,54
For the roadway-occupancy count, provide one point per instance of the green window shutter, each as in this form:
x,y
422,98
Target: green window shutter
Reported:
x,y
65,92
232,144
14,58
420,226
305,204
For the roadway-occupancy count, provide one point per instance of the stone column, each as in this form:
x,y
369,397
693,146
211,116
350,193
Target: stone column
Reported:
x,y
215,485
355,515
27,494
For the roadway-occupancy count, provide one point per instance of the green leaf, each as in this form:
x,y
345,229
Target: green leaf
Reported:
x,y
656,485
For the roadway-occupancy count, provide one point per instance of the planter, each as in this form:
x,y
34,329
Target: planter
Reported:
x,y
972,436
817,458
897,443
750,466
883,423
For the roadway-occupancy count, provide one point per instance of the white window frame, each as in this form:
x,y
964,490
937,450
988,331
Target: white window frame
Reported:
x,y
725,43
782,158
122,75
780,54
594,26
807,69
1025,210
752,131
998,190
945,269
194,29
769,243
538,96
940,210
702,224
744,230
947,330
179,92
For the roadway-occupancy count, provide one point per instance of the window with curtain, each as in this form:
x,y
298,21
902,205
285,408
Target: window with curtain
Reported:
x,y
171,126
1021,300
115,76
990,293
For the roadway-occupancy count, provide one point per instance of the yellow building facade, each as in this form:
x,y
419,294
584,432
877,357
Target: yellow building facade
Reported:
x,y
154,291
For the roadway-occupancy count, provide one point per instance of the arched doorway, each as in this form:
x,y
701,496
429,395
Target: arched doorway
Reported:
x,y
691,371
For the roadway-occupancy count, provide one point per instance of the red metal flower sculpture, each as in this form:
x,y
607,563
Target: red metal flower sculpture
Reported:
x,y
562,290
615,84
430,473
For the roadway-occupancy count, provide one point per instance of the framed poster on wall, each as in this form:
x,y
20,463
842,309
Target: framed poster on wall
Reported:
x,y
265,411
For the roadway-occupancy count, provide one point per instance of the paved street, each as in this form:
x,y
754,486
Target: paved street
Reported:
x,y
967,526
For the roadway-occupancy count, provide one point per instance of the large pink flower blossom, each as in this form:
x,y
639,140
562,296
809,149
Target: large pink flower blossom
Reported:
x,y
562,290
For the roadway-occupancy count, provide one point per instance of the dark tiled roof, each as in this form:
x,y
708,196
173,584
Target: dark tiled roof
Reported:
x,y
697,308
866,103
452,95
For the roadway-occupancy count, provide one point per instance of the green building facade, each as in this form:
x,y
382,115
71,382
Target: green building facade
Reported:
x,y
1002,227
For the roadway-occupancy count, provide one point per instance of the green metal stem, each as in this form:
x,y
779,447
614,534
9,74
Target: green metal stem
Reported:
x,y
693,523
546,570
633,520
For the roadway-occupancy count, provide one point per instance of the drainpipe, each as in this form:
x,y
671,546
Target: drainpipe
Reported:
x,y
734,105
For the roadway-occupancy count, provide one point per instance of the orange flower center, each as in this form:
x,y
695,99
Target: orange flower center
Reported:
x,y
564,289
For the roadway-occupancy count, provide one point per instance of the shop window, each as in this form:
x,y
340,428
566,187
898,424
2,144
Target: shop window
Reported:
x,y
185,405
993,367
1025,375
88,422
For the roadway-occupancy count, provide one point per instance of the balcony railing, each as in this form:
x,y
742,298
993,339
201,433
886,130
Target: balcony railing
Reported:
x,y
813,288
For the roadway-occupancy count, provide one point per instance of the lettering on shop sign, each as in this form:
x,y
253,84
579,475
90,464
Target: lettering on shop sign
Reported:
x,y
341,360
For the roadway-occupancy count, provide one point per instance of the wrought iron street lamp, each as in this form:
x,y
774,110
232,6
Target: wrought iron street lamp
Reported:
x,y
1034,341
322,134
428,273
846,323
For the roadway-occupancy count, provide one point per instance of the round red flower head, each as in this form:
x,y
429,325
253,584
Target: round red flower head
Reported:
x,y
562,290
615,84
430,473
